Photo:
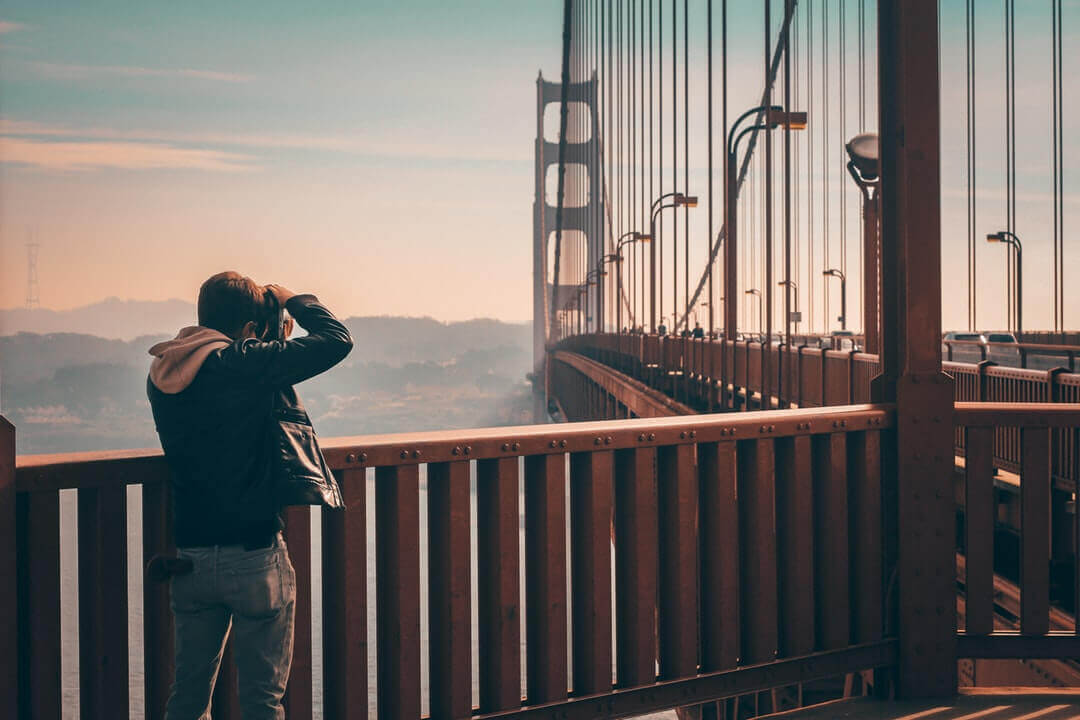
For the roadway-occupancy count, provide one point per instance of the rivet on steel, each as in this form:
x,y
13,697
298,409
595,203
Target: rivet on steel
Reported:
x,y
456,451
416,453
562,443
468,449
554,444
363,457
607,440
641,437
350,458
505,447
682,435
652,436
597,441
515,447
404,454
693,433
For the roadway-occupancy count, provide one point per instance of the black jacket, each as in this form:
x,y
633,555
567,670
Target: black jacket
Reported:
x,y
216,429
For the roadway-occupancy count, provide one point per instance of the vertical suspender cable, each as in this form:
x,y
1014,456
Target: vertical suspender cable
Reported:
x,y
825,175
1056,151
843,135
810,278
709,131
767,207
674,159
686,163
971,169
659,313
568,7
652,193
787,199
728,332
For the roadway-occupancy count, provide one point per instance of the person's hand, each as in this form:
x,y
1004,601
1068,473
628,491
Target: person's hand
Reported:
x,y
280,293
287,330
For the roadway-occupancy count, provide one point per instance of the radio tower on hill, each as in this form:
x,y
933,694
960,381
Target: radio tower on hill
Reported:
x,y
33,298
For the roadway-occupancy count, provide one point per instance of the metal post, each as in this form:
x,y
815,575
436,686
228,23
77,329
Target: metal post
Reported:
x,y
9,597
1019,286
843,302
871,291
917,462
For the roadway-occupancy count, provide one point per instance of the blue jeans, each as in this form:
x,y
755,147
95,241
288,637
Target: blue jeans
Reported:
x,y
254,592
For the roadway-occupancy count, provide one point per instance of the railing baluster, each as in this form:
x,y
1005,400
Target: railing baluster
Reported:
x,y
449,594
636,558
795,535
297,700
158,648
498,591
678,501
719,532
979,527
9,564
545,577
103,637
397,589
758,551
345,602
864,493
38,523
831,552
590,544
1035,531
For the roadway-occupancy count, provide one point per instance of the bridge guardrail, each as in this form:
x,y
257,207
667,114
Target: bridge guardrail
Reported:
x,y
655,500
813,377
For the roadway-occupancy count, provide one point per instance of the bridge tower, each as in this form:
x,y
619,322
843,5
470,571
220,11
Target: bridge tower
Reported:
x,y
586,221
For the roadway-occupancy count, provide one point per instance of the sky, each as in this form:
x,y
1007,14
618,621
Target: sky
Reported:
x,y
380,153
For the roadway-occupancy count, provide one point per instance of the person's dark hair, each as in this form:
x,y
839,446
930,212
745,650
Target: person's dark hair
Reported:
x,y
227,301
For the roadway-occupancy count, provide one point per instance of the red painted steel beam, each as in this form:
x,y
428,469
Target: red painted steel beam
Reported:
x,y
921,477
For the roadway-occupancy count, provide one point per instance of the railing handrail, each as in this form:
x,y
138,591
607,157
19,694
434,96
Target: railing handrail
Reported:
x,y
992,414
36,473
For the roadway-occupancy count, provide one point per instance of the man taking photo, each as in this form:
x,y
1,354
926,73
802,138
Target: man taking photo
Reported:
x,y
218,392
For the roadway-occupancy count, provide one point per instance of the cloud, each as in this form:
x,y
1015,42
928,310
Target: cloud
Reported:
x,y
358,145
81,72
7,26
81,156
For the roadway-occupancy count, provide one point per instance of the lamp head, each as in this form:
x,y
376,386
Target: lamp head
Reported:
x,y
778,117
995,237
687,200
643,237
864,153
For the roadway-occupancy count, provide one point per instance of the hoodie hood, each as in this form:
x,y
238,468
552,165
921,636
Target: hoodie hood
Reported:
x,y
176,362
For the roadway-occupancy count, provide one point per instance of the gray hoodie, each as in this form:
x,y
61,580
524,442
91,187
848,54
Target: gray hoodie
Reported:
x,y
176,362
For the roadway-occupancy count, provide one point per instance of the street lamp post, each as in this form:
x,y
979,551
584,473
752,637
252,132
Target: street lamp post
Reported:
x,y
761,320
625,239
1010,238
795,288
864,167
833,272
677,199
774,116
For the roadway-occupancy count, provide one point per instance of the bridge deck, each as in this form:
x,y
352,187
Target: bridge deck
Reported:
x,y
984,704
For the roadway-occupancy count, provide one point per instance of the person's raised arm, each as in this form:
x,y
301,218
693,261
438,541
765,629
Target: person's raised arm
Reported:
x,y
288,362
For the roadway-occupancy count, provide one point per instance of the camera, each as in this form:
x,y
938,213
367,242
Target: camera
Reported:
x,y
271,320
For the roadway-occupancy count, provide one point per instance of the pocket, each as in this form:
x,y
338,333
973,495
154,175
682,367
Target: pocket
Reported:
x,y
258,592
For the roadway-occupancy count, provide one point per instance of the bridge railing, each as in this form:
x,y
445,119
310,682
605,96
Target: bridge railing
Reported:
x,y
813,377
700,520
1042,522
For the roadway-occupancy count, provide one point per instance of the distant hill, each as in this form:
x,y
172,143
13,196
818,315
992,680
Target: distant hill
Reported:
x,y
111,318
389,339
68,391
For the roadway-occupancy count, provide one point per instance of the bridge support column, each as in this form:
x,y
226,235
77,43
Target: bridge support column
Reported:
x,y
919,512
